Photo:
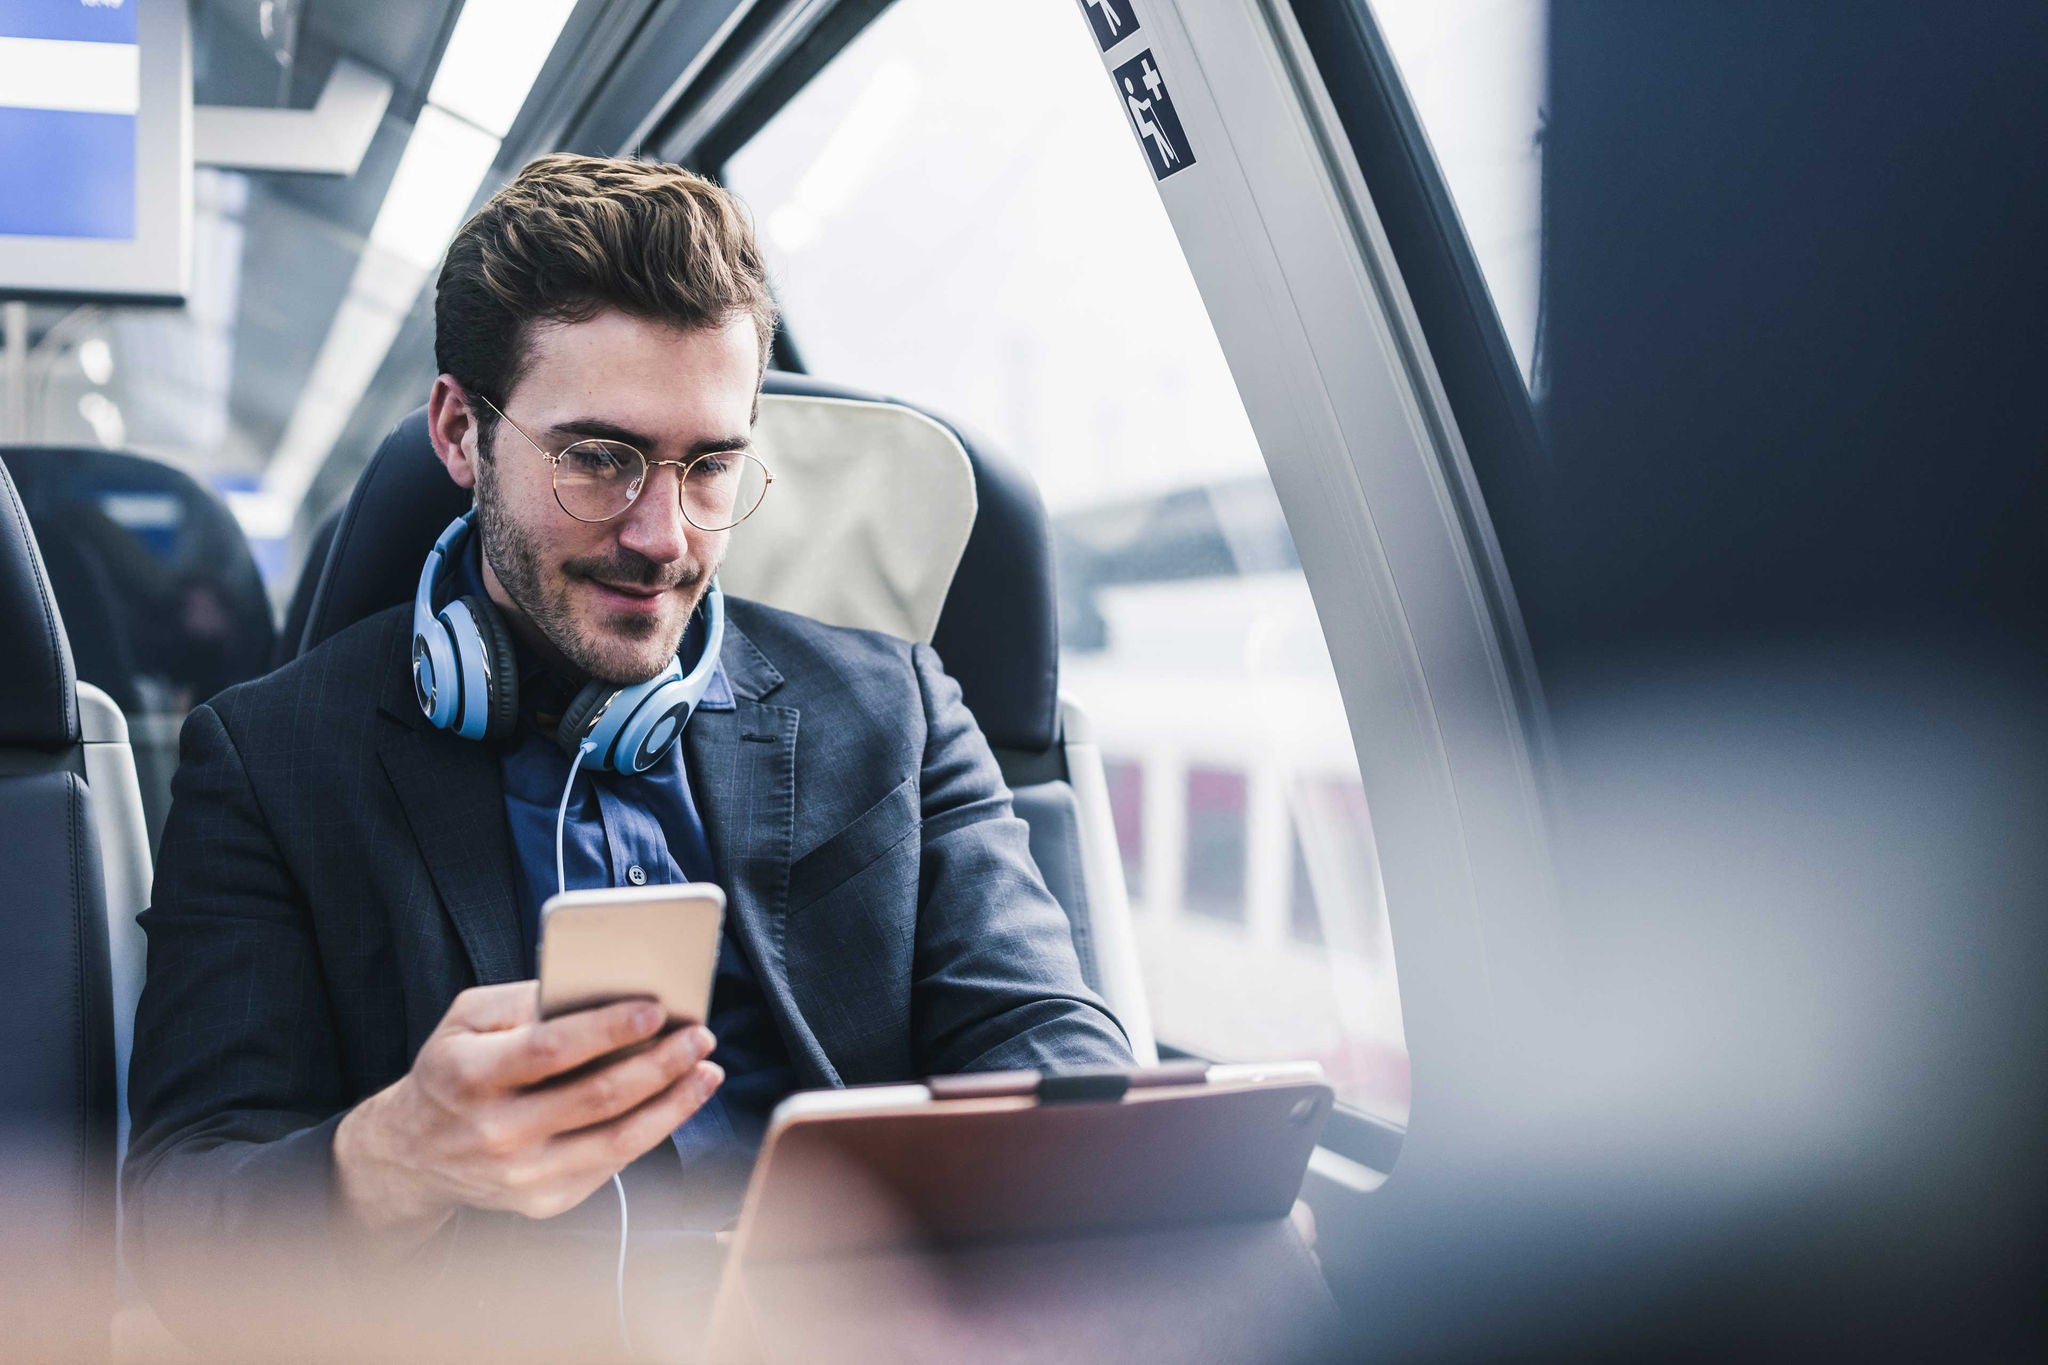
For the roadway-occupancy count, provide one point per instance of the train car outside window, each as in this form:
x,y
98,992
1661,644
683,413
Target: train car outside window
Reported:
x,y
1219,803
955,212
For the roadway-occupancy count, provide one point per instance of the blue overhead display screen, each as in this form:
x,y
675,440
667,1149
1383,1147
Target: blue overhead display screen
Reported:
x,y
70,89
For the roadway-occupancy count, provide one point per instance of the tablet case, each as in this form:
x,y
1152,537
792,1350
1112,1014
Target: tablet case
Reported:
x,y
1006,1225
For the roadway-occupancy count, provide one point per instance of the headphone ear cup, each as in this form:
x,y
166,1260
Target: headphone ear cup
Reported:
x,y
504,667
581,711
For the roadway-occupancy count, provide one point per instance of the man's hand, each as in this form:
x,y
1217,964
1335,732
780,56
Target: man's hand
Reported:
x,y
473,1122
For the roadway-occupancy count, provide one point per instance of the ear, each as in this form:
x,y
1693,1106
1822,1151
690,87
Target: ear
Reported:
x,y
452,427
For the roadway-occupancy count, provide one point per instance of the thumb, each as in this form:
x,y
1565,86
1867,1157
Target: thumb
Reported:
x,y
492,1009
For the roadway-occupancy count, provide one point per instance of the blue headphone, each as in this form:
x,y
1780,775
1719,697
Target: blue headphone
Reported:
x,y
466,676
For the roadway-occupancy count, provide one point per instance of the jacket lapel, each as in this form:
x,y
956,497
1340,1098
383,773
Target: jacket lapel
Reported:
x,y
742,766
453,797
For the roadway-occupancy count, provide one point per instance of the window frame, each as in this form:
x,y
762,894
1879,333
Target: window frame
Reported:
x,y
1495,409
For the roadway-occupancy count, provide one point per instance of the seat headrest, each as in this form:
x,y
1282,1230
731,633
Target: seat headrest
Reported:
x,y
402,501
38,691
998,631
873,506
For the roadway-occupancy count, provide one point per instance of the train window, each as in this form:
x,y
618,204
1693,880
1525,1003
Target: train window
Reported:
x,y
1474,72
981,235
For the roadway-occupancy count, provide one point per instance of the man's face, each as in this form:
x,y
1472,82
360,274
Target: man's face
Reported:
x,y
611,597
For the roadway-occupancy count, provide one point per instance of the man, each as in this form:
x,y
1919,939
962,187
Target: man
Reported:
x,y
337,1040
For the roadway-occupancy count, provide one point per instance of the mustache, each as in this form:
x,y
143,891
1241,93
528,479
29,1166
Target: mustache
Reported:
x,y
633,570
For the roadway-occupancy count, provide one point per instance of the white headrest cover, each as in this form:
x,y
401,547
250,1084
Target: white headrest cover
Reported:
x,y
866,522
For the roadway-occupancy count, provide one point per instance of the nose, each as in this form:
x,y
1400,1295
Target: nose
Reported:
x,y
654,525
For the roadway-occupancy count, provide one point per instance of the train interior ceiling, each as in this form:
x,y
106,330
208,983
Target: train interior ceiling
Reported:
x,y
1545,496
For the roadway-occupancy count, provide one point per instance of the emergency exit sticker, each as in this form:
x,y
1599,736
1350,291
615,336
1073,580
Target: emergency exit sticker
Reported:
x,y
1112,21
1151,110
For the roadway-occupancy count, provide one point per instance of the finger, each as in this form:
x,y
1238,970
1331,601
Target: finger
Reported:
x,y
616,1143
570,1167
546,1049
492,1009
615,1089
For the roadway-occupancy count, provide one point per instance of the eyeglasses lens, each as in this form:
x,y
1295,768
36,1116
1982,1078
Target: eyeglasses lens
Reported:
x,y
723,490
597,480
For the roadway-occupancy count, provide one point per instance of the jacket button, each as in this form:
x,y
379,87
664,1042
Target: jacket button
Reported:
x,y
636,875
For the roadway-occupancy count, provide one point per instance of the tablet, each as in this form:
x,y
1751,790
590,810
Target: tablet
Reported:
x,y
1099,1215
1020,1154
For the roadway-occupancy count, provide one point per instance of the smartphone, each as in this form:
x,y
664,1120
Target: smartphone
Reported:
x,y
655,943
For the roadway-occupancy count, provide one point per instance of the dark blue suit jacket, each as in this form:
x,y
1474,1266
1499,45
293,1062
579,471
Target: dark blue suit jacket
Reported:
x,y
334,870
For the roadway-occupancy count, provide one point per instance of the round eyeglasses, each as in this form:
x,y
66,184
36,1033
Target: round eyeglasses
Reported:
x,y
596,480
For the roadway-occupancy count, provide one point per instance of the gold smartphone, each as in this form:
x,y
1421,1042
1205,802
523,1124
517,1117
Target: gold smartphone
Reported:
x,y
655,943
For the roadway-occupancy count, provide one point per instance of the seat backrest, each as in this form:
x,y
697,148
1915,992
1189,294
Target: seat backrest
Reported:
x,y
301,604
57,1095
966,564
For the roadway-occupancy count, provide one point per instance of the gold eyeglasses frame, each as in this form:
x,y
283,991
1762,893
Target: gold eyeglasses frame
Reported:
x,y
682,468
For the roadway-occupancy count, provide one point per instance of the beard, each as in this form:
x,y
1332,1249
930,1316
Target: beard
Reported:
x,y
616,648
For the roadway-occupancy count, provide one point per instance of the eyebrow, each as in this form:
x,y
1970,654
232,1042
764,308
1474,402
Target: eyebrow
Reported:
x,y
597,428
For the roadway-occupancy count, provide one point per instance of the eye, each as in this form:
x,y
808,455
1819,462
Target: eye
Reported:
x,y
601,460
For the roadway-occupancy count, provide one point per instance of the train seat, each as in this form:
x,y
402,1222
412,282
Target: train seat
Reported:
x,y
965,564
158,585
57,1089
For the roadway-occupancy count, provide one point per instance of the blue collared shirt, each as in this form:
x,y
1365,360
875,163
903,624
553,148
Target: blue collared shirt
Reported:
x,y
630,831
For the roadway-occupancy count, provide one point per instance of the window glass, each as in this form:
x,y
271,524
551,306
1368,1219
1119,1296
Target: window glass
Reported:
x,y
1474,71
983,237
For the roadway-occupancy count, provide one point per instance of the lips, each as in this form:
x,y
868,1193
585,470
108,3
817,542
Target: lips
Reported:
x,y
628,598
630,590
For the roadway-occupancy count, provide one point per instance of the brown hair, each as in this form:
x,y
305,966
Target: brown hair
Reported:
x,y
572,235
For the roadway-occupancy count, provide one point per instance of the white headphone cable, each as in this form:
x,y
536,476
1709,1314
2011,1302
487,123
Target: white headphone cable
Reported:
x,y
562,886
562,815
619,1276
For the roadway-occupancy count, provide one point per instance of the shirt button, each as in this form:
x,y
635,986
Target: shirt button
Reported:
x,y
636,875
